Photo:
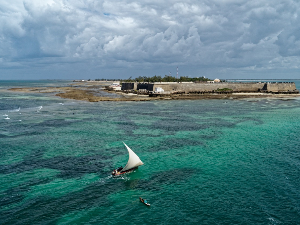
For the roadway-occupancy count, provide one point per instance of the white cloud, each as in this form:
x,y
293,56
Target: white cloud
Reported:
x,y
153,34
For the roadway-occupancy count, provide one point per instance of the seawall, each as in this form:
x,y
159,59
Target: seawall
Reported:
x,y
174,87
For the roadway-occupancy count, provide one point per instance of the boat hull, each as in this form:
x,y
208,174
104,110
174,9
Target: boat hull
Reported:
x,y
123,172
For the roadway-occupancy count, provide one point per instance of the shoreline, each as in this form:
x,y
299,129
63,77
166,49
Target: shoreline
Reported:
x,y
91,92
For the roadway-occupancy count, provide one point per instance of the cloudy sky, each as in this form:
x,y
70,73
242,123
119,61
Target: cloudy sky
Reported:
x,y
88,39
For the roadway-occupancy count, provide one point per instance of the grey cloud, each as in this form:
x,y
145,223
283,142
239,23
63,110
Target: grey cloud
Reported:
x,y
209,34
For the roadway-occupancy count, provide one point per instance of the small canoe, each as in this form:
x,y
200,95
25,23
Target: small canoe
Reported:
x,y
144,201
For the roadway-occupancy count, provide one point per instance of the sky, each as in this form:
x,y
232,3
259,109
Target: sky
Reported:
x,y
94,39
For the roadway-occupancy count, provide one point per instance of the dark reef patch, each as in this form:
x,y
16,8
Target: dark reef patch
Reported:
x,y
94,195
69,167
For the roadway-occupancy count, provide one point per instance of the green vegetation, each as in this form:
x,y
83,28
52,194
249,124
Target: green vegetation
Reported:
x,y
105,79
224,90
166,78
155,78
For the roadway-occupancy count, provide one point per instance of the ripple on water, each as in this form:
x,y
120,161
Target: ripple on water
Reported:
x,y
205,162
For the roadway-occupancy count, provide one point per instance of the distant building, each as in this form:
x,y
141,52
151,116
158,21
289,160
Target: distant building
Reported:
x,y
159,90
217,80
114,87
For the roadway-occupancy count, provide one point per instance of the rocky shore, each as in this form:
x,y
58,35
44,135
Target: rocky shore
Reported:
x,y
95,92
85,91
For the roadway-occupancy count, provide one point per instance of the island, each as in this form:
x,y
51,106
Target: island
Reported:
x,y
95,91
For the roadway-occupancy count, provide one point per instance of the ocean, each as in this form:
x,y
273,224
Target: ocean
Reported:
x,y
205,161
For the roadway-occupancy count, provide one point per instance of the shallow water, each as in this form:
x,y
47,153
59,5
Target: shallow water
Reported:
x,y
206,161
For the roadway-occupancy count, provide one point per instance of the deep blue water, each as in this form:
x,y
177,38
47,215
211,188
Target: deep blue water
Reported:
x,y
4,84
205,161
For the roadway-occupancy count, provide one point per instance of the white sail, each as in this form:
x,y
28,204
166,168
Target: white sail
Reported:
x,y
133,161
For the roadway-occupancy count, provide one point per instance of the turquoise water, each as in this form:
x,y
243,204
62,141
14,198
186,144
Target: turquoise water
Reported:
x,y
206,161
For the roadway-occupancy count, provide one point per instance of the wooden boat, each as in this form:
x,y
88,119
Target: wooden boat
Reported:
x,y
133,163
144,201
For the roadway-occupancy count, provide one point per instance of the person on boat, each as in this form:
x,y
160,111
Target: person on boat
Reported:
x,y
119,169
